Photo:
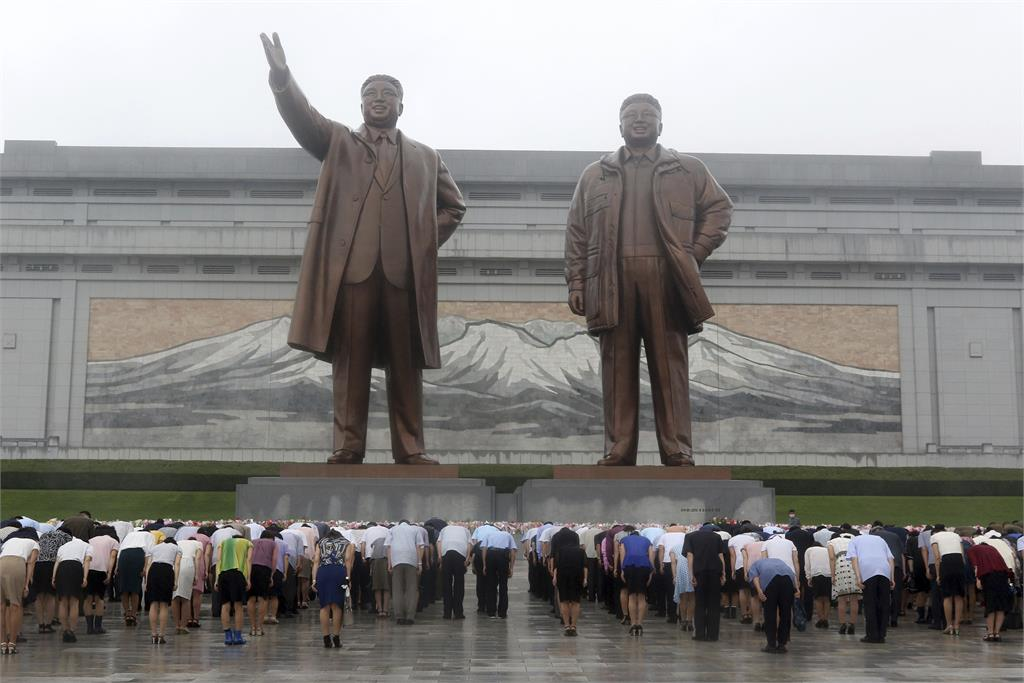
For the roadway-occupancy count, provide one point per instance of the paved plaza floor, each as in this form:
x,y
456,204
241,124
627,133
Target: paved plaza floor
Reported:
x,y
528,646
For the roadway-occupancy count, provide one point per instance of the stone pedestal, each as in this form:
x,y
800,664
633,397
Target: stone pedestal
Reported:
x,y
364,499
643,500
687,495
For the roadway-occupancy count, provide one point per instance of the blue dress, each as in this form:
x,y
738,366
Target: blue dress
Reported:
x,y
682,579
331,577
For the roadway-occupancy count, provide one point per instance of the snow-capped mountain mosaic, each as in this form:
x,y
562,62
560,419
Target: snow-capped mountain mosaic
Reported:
x,y
503,387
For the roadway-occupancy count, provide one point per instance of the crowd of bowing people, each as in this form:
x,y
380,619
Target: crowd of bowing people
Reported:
x,y
772,578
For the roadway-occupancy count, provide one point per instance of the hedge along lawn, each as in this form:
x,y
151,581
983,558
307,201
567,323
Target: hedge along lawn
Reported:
x,y
214,505
155,467
111,505
902,510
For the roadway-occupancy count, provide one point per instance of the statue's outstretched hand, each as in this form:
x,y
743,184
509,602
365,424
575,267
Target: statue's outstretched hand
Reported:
x,y
275,54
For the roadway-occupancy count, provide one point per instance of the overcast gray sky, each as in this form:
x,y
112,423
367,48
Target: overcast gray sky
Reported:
x,y
753,77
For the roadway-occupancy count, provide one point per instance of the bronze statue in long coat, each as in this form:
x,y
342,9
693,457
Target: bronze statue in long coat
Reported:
x,y
367,291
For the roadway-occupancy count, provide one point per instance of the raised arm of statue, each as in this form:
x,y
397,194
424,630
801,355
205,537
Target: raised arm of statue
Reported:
x,y
275,58
311,129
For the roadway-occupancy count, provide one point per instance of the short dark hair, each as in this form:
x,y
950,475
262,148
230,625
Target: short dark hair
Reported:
x,y
877,523
387,79
641,97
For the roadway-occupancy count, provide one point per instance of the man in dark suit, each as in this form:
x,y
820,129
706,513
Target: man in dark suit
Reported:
x,y
367,292
642,221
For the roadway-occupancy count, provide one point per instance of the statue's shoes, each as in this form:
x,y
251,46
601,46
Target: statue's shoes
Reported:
x,y
417,459
344,457
614,461
678,460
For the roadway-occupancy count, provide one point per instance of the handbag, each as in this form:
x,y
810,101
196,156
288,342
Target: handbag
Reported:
x,y
799,616
348,617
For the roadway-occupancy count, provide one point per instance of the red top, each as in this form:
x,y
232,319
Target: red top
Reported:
x,y
986,559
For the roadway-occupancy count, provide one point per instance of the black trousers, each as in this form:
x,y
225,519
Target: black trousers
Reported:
x,y
592,579
806,594
666,584
453,583
496,595
876,607
896,602
481,583
935,601
359,584
778,610
707,596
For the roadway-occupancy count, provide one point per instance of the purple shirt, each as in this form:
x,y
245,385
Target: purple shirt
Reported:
x,y
263,552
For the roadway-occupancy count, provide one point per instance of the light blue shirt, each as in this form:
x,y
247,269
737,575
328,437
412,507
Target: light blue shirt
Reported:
x,y
925,539
481,533
767,569
873,555
536,539
28,522
652,534
499,540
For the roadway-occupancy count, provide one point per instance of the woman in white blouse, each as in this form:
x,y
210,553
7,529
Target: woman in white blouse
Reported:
x,y
69,579
161,577
17,563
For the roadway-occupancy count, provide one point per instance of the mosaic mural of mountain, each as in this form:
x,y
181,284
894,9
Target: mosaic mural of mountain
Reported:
x,y
503,387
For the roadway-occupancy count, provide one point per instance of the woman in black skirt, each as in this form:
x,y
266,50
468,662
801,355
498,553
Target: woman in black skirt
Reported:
x,y
161,578
69,580
570,577
42,577
992,578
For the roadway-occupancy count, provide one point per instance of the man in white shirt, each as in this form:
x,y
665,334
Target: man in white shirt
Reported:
x,y
290,586
736,545
372,547
453,543
476,559
587,541
404,545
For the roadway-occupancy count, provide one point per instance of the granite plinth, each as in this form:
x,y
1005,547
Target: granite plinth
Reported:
x,y
646,472
368,471
638,500
363,498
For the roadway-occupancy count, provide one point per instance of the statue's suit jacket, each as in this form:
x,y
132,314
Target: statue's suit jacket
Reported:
x,y
433,209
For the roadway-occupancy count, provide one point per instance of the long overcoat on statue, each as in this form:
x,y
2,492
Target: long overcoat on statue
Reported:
x,y
433,206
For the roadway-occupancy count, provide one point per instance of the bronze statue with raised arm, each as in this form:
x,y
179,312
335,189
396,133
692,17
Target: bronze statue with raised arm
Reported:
x,y
642,221
367,291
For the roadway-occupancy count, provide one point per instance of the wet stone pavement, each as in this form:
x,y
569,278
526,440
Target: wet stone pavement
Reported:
x,y
528,646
